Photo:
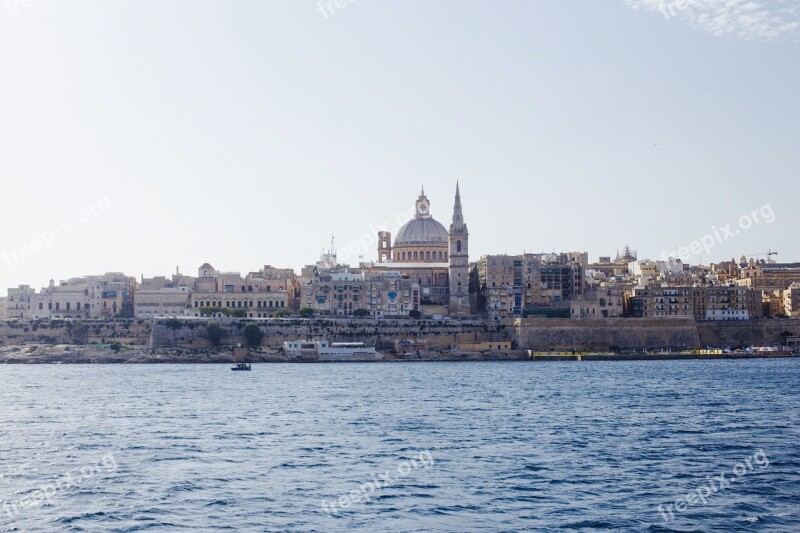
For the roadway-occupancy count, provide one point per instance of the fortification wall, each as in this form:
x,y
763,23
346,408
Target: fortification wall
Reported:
x,y
59,331
743,333
381,333
540,334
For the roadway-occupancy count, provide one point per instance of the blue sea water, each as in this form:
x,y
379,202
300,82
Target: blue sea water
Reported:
x,y
462,447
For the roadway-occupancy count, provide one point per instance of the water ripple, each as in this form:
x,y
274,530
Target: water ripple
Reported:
x,y
516,447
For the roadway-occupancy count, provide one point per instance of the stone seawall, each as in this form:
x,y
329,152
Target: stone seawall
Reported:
x,y
743,333
535,334
58,331
542,334
381,333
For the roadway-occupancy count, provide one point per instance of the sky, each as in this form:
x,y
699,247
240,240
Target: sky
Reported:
x,y
144,136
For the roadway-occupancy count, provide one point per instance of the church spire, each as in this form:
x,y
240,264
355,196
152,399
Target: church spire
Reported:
x,y
458,215
458,268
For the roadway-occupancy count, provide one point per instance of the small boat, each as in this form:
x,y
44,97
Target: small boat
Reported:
x,y
242,367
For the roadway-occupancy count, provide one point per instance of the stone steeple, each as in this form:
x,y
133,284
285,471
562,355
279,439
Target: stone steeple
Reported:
x,y
458,241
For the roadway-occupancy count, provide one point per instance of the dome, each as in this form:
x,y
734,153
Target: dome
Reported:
x,y
421,231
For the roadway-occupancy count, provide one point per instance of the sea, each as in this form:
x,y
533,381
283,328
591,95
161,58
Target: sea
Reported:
x,y
702,445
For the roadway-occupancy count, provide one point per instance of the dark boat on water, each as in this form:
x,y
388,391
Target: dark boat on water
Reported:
x,y
241,367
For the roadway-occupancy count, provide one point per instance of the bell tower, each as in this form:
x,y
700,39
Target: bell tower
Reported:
x,y
384,246
458,240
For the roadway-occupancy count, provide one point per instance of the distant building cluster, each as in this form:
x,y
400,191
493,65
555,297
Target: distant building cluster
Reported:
x,y
103,296
425,271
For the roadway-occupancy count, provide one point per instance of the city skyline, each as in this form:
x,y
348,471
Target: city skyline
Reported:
x,y
363,248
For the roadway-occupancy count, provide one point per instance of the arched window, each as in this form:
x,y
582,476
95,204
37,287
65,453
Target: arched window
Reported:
x,y
440,255
404,256
427,256
415,256
458,246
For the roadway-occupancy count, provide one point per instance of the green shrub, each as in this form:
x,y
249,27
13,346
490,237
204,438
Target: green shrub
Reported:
x,y
215,334
173,323
253,335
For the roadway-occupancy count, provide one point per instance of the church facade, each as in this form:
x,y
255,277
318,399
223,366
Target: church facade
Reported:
x,y
433,259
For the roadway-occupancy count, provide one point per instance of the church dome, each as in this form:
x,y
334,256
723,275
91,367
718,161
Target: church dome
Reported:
x,y
421,231
423,228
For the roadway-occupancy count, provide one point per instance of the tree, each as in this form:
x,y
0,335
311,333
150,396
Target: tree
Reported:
x,y
80,332
414,313
213,311
306,312
360,313
282,313
173,323
215,334
253,335
239,313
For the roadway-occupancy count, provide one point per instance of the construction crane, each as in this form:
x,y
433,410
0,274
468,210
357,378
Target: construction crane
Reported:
x,y
768,254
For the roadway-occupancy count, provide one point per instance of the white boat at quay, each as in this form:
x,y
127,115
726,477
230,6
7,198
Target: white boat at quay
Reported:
x,y
332,351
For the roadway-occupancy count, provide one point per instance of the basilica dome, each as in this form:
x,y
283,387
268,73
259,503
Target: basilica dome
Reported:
x,y
421,239
421,231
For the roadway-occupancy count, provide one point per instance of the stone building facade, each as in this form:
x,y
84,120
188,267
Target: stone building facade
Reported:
x,y
509,285
108,296
791,301
728,302
599,302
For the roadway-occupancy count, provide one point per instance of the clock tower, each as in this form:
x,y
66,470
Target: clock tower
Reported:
x,y
423,205
458,242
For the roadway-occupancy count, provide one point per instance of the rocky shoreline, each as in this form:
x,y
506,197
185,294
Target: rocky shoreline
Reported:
x,y
126,354
98,354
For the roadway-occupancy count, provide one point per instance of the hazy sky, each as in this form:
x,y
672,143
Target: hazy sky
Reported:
x,y
138,136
